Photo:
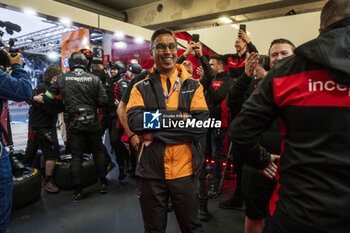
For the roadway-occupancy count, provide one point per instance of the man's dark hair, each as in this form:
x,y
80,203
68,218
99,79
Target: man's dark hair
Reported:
x,y
52,71
282,41
333,11
218,58
160,32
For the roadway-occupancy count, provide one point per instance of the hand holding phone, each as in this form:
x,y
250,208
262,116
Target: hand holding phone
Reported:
x,y
243,27
195,37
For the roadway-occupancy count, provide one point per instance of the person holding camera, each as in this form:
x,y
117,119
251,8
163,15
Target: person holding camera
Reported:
x,y
82,94
236,62
15,87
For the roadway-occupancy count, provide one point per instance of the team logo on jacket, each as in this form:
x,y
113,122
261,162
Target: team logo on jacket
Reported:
x,y
151,120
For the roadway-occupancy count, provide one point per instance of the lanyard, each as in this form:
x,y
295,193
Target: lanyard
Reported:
x,y
166,96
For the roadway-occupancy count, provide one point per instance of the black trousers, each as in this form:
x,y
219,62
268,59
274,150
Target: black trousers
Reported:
x,y
78,142
115,136
154,198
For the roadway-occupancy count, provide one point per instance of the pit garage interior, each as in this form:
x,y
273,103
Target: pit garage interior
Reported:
x,y
216,21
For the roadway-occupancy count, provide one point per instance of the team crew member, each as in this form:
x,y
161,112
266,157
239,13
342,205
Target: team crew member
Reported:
x,y
310,93
236,62
169,158
115,90
134,70
42,121
216,98
82,93
16,87
256,187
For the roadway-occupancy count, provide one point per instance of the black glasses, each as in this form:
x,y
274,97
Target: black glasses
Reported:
x,y
162,47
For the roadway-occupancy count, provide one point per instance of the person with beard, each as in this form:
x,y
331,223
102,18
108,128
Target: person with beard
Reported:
x,y
309,92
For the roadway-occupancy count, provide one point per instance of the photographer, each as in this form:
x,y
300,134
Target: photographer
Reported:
x,y
16,87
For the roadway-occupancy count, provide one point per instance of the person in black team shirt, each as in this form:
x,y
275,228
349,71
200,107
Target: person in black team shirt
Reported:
x,y
309,91
236,62
42,121
257,188
115,90
82,93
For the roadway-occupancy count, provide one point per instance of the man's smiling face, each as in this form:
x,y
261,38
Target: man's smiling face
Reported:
x,y
164,53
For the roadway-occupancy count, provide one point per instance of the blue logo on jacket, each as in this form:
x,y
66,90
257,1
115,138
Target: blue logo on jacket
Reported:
x,y
151,120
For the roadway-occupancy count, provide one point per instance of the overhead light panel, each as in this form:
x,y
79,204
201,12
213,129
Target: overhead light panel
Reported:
x,y
225,20
66,21
30,11
139,40
52,55
120,45
119,35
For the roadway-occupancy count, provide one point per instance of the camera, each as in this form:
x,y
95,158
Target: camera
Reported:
x,y
4,60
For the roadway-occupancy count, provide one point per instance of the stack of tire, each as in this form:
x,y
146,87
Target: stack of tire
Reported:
x,y
63,178
26,181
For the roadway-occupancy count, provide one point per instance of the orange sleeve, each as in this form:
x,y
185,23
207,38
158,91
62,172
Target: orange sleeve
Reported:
x,y
135,99
198,100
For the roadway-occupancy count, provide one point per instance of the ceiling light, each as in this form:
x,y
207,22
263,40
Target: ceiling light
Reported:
x,y
133,61
29,40
66,21
139,40
120,45
119,35
29,11
225,20
52,55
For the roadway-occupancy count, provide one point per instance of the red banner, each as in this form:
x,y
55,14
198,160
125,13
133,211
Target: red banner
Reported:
x,y
73,42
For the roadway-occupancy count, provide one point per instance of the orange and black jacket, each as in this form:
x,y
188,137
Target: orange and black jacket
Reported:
x,y
310,93
175,152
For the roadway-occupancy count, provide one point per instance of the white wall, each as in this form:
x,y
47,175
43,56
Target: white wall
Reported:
x,y
297,28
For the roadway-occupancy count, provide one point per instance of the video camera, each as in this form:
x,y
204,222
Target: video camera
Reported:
x,y
10,28
4,60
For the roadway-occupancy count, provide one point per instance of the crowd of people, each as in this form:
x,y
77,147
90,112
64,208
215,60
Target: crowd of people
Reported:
x,y
286,115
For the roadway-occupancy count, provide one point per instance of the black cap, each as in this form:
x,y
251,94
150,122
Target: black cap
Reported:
x,y
135,68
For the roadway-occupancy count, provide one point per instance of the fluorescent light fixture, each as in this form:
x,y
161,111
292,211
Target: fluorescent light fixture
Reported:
x,y
52,55
139,40
66,21
29,11
29,40
120,45
119,35
225,20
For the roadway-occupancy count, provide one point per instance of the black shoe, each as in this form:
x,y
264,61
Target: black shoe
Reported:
x,y
77,196
213,191
204,214
103,188
233,203
50,186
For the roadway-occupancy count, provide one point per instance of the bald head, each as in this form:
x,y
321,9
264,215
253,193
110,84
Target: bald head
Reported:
x,y
333,11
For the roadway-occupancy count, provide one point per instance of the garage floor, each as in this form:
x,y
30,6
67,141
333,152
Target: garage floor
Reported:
x,y
117,211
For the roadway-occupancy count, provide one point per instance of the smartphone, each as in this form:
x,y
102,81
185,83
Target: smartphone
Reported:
x,y
195,37
243,27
